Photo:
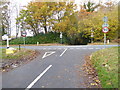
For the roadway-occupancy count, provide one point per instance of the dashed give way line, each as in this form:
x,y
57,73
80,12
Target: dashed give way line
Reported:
x,y
38,77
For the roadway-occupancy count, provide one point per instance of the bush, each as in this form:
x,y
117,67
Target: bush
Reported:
x,y
116,40
78,39
51,37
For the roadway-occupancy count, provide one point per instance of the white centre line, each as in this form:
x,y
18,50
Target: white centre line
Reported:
x,y
32,83
90,48
63,52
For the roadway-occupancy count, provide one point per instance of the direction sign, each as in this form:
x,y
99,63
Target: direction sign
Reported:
x,y
105,19
105,25
105,29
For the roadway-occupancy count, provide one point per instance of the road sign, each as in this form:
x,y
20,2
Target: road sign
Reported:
x,y
105,29
23,33
105,25
105,19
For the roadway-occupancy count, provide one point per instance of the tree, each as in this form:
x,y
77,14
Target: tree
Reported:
x,y
38,14
4,17
90,7
94,22
64,13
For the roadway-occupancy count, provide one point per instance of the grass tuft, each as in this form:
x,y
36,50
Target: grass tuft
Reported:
x,y
106,63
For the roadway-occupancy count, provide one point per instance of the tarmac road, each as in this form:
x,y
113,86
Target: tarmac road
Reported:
x,y
55,67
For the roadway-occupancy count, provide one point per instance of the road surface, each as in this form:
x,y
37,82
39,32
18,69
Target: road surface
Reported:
x,y
55,67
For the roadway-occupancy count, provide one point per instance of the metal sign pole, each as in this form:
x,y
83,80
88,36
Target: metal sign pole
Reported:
x,y
24,40
7,42
61,40
105,27
61,37
104,38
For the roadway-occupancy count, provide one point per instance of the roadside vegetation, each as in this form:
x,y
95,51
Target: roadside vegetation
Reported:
x,y
106,64
51,37
77,26
10,61
17,55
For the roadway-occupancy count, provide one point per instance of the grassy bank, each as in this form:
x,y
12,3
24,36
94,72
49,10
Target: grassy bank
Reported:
x,y
106,63
16,59
18,54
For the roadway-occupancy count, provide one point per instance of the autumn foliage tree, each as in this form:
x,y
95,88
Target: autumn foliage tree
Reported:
x,y
45,14
63,17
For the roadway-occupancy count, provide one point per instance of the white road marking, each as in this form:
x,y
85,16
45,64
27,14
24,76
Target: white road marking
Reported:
x,y
63,52
48,54
97,48
84,48
90,48
44,48
32,83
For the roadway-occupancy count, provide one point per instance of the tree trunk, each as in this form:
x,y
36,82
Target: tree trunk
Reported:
x,y
45,27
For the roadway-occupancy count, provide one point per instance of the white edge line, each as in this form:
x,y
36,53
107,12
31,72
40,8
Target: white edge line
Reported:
x,y
63,52
32,83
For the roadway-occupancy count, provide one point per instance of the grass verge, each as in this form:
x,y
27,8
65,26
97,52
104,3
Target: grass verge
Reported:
x,y
102,43
106,63
18,54
16,59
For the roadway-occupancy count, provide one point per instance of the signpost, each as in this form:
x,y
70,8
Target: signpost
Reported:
x,y
23,34
105,28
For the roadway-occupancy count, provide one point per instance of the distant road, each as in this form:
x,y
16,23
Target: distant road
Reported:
x,y
55,67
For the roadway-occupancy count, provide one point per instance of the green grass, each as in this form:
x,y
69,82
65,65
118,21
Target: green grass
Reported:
x,y
18,54
106,63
